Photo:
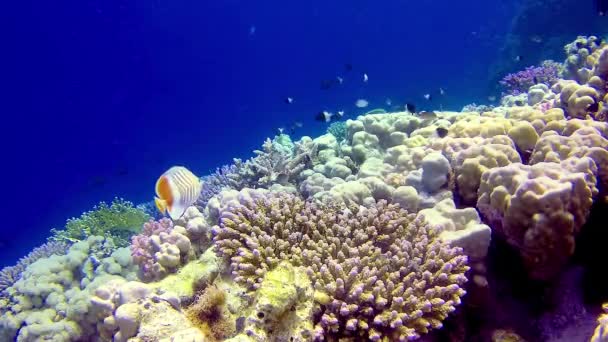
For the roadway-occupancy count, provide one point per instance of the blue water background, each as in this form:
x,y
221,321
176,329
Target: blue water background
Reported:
x,y
100,97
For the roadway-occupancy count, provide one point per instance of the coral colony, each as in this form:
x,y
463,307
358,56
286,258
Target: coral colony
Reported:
x,y
380,230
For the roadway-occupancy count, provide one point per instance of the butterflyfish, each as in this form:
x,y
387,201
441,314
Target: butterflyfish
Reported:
x,y
176,190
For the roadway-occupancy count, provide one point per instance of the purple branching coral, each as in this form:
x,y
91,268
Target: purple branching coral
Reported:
x,y
519,82
226,177
378,273
10,274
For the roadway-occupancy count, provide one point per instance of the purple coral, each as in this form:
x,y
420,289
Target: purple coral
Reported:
x,y
519,82
10,274
143,248
226,177
379,273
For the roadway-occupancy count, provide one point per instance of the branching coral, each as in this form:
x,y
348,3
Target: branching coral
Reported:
x,y
226,177
119,221
519,82
377,272
280,161
338,130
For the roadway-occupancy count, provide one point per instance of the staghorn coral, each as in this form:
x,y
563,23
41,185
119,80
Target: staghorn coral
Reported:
x,y
10,274
119,220
378,272
280,161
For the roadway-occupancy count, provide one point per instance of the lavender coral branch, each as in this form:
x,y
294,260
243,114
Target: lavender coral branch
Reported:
x,y
519,82
378,273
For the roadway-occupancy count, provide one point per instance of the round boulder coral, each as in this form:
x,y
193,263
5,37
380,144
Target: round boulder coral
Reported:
x,y
378,273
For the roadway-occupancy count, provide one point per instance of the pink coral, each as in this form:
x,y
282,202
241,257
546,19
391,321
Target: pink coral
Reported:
x,y
142,248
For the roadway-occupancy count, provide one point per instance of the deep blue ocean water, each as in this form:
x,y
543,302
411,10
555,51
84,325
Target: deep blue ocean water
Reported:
x,y
100,97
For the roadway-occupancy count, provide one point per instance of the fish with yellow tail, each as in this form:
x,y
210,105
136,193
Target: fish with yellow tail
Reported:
x,y
176,190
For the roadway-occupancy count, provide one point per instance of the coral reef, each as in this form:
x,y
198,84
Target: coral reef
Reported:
x,y
377,272
163,246
10,274
51,300
519,82
119,220
338,130
283,307
368,232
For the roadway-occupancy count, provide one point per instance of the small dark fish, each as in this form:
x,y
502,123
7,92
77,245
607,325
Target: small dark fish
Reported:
x,y
579,45
348,67
442,132
323,116
327,84
289,100
535,80
123,172
594,107
518,58
410,107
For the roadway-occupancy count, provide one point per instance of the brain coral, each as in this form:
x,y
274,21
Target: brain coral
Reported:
x,y
378,273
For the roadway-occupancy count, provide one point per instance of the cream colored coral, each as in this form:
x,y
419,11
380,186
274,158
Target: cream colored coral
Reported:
x,y
584,142
539,209
523,135
576,98
471,163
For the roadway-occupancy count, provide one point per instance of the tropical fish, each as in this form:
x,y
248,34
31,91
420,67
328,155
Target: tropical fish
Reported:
x,y
289,100
410,107
361,103
176,190
518,58
442,132
340,79
428,97
441,91
365,78
324,116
